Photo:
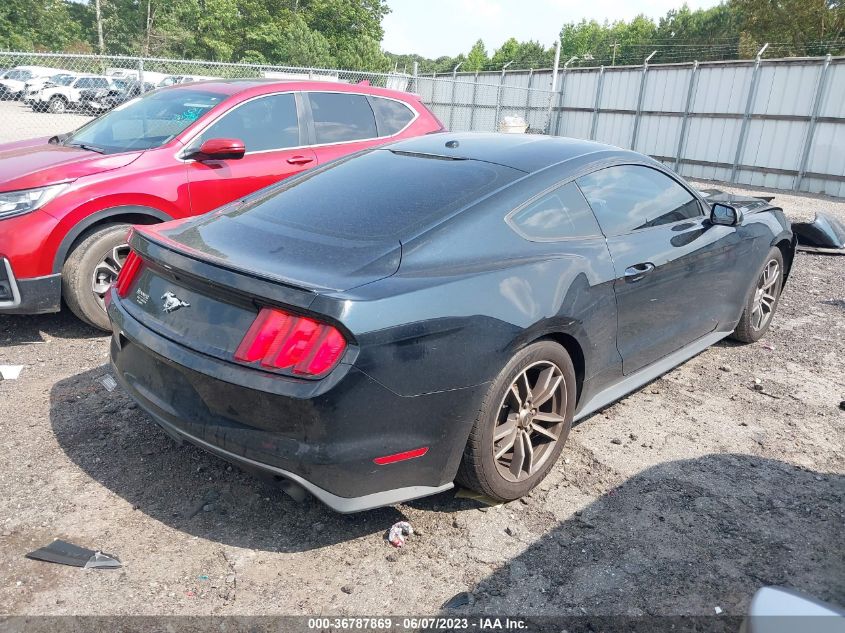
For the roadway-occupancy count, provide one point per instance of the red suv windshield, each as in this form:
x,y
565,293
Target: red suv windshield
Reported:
x,y
145,123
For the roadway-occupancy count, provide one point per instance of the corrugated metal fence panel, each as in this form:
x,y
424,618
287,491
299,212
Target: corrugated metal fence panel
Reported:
x,y
827,155
580,89
773,137
721,88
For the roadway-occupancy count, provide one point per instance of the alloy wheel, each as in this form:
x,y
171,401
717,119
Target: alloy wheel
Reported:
x,y
765,295
530,421
106,271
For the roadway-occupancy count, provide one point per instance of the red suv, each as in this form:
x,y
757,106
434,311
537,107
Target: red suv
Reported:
x,y
66,202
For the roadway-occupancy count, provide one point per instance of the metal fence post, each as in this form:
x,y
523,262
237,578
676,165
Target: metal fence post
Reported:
x,y
499,97
474,100
752,93
640,96
452,99
560,95
416,77
141,74
682,136
596,106
814,116
528,94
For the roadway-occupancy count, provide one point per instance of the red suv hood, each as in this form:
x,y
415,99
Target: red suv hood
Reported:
x,y
36,163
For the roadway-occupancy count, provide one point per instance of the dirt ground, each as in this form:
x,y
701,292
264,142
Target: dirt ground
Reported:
x,y
685,496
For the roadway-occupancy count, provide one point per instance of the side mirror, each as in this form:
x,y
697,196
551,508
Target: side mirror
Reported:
x,y
725,215
220,149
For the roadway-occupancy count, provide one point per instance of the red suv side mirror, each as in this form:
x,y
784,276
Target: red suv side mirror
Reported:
x,y
220,149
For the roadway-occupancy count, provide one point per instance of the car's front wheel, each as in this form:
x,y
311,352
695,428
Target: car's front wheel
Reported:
x,y
523,423
90,270
763,300
56,105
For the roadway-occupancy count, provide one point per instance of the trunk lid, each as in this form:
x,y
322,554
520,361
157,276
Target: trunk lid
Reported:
x,y
304,259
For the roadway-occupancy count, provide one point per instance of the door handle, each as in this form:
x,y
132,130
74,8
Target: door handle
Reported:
x,y
300,160
637,271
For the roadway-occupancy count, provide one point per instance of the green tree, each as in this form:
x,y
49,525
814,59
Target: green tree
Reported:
x,y
42,25
477,58
290,43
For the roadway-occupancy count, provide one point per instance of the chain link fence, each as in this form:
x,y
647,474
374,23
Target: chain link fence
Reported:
x,y
42,94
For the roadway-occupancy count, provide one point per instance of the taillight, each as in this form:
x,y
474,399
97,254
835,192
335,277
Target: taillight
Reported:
x,y
279,340
128,273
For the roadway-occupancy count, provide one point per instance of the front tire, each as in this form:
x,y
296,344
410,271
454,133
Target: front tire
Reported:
x,y
523,423
763,300
90,269
56,105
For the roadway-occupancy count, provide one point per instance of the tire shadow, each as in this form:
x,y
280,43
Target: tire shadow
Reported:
x,y
22,329
682,538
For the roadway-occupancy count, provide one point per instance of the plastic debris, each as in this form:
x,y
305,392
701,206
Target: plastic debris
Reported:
x,y
399,532
64,553
718,610
463,493
10,372
108,382
457,601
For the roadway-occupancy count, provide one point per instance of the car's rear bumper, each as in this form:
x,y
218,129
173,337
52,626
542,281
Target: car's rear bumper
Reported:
x,y
28,296
325,443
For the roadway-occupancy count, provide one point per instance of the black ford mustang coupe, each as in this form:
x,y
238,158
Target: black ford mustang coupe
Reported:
x,y
438,309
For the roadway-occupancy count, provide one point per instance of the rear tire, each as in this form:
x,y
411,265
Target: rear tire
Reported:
x,y
92,266
762,301
532,371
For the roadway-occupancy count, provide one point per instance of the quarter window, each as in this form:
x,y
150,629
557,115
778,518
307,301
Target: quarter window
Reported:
x,y
340,117
557,215
263,124
393,116
626,198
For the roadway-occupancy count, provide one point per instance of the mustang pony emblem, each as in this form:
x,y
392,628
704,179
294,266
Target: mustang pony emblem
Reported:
x,y
173,303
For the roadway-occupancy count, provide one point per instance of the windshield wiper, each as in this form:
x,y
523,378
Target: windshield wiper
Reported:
x,y
86,146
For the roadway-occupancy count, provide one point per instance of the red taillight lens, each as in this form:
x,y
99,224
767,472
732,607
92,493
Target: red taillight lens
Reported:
x,y
128,273
285,341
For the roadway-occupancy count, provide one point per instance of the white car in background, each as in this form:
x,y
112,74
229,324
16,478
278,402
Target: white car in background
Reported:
x,y
34,86
58,99
13,81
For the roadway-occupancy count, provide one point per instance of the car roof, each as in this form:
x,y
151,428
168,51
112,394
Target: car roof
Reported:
x,y
260,86
526,152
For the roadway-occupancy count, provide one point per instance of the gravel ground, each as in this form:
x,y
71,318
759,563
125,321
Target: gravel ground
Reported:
x,y
685,496
19,122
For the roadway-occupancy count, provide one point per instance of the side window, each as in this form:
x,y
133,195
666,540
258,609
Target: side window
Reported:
x,y
266,123
557,215
630,197
340,117
393,116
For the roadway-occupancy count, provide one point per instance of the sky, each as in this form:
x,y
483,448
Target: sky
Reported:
x,y
433,28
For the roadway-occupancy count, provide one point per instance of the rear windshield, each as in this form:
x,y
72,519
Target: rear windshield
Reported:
x,y
377,195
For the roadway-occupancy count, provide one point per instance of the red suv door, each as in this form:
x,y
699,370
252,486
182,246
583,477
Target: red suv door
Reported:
x,y
347,122
270,129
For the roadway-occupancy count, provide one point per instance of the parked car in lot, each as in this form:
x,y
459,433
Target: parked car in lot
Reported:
x,y
67,202
60,98
98,100
438,308
34,86
13,82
